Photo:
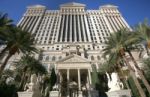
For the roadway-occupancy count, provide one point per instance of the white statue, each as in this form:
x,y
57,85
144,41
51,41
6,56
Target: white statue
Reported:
x,y
10,81
33,86
114,82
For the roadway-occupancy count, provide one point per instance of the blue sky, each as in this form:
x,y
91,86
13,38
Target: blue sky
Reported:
x,y
133,11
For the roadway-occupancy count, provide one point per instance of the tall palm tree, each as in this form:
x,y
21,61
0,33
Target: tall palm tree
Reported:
x,y
142,34
4,20
29,65
5,24
5,35
146,67
17,41
116,46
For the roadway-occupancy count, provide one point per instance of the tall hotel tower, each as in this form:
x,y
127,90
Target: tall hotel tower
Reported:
x,y
71,39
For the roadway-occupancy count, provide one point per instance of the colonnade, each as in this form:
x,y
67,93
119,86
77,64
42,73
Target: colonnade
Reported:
x,y
68,75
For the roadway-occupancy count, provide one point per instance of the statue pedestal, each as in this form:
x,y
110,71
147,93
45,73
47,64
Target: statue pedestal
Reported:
x,y
119,93
80,94
54,94
94,93
25,94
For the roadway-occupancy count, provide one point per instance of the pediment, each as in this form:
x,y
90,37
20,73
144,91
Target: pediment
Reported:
x,y
73,59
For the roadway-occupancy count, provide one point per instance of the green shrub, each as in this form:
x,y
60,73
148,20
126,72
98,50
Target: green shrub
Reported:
x,y
8,90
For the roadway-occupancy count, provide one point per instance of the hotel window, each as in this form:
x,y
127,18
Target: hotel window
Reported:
x,y
41,57
60,57
53,58
57,48
93,66
47,58
92,57
98,58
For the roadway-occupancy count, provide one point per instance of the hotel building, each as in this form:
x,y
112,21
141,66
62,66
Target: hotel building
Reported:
x,y
71,38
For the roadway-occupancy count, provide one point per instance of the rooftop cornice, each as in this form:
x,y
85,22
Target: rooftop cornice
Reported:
x,y
72,4
36,6
108,6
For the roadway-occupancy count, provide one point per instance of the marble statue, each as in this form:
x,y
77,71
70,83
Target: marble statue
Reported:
x,y
10,81
114,82
33,86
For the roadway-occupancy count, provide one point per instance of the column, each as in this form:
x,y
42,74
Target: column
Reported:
x,y
21,24
21,21
88,83
115,23
79,29
59,82
58,31
60,77
107,23
112,23
68,82
89,73
70,28
26,22
29,23
49,27
63,16
126,24
79,80
84,35
68,74
88,32
75,30
115,17
55,23
37,23
33,23
66,29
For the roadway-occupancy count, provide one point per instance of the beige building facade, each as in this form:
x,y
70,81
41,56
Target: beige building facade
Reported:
x,y
71,39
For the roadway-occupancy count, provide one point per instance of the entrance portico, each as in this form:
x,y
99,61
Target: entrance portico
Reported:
x,y
74,70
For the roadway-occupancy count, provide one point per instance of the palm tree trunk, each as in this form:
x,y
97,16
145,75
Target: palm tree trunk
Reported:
x,y
140,73
132,73
124,78
4,64
141,92
22,81
27,79
147,50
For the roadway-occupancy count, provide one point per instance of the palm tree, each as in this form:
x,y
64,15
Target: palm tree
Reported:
x,y
29,65
146,67
106,67
5,25
115,48
17,41
142,34
4,20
